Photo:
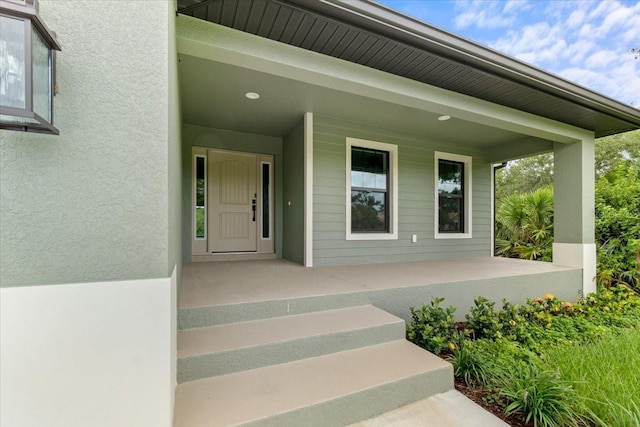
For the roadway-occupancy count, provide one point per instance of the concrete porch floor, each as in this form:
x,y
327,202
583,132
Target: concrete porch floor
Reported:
x,y
235,282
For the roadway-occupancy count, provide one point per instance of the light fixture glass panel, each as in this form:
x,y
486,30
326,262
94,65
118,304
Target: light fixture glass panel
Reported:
x,y
18,120
41,77
12,63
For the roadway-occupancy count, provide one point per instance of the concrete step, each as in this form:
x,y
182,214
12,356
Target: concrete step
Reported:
x,y
198,317
330,390
223,349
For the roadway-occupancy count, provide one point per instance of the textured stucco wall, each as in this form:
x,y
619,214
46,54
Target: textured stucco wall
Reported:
x,y
93,203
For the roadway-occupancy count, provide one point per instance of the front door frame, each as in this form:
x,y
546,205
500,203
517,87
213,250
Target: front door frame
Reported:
x,y
265,236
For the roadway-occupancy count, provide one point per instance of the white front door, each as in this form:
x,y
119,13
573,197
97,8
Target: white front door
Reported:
x,y
233,197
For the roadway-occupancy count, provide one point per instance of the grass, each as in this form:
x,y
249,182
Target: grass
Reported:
x,y
605,373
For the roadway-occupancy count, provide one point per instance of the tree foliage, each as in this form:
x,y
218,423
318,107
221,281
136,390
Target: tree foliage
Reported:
x,y
522,176
617,168
618,224
524,225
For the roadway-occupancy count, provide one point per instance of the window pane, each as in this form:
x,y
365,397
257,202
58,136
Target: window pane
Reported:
x,y
201,197
200,222
450,215
368,211
265,199
200,181
370,168
12,62
450,177
41,77
451,196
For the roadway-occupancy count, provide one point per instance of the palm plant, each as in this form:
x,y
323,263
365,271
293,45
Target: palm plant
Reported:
x,y
524,225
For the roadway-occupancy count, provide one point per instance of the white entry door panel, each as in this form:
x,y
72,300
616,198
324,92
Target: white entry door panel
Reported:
x,y
232,201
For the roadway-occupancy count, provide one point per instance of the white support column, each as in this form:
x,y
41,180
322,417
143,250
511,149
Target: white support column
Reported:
x,y
574,209
308,189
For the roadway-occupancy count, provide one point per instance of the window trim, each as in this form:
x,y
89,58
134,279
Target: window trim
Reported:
x,y
392,233
467,190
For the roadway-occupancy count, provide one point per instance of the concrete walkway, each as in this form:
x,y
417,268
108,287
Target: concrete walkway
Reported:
x,y
449,409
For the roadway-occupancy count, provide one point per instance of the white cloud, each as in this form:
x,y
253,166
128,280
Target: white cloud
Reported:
x,y
576,18
602,58
486,15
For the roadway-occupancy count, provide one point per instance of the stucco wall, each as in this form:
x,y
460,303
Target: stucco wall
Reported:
x,y
416,193
197,136
93,203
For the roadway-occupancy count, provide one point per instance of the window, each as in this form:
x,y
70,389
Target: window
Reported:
x,y
266,198
371,190
200,197
453,195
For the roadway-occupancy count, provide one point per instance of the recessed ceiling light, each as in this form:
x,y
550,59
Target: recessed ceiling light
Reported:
x,y
443,118
252,95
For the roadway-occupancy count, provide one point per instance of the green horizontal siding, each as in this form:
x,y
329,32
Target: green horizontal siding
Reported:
x,y
415,198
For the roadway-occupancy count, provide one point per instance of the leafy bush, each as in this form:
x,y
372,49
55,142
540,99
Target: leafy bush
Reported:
x,y
539,396
485,322
483,319
433,327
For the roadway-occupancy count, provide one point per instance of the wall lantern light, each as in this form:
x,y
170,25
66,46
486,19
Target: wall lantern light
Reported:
x,y
27,68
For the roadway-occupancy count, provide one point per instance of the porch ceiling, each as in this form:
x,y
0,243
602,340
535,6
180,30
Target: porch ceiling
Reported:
x,y
377,37
213,96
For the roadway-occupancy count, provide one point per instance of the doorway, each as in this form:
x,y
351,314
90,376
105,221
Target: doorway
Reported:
x,y
232,202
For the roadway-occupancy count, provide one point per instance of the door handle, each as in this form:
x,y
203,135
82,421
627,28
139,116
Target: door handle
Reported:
x,y
253,208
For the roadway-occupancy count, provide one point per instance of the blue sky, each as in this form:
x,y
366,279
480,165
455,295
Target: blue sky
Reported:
x,y
584,41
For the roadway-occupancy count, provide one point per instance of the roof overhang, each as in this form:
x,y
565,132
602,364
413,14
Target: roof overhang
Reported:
x,y
366,33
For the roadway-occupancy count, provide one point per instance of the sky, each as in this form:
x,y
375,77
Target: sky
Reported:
x,y
583,41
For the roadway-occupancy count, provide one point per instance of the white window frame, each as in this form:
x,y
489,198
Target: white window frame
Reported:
x,y
392,149
467,200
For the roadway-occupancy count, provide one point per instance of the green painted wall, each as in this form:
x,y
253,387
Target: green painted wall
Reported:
x,y
93,203
415,197
196,136
293,195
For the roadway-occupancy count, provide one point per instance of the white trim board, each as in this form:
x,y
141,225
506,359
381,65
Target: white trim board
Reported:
x,y
580,255
308,189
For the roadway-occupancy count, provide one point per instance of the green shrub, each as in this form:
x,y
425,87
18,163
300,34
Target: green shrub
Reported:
x,y
433,327
539,396
483,319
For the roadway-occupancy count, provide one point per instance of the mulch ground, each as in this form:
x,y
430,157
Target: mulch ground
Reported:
x,y
478,396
